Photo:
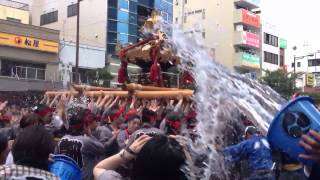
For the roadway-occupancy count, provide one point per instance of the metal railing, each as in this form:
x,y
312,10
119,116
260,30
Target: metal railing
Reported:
x,y
29,73
172,79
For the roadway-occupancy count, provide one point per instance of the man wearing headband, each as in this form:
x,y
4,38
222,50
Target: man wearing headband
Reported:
x,y
79,144
134,123
108,133
256,150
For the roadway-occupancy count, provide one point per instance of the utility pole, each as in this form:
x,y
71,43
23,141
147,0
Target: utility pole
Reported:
x,y
77,44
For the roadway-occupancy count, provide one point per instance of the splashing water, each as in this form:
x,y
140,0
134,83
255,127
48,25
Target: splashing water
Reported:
x,y
220,93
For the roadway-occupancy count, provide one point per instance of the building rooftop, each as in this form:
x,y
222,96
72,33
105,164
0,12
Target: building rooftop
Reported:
x,y
15,4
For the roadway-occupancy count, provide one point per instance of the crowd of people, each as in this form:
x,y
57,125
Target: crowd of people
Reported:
x,y
128,138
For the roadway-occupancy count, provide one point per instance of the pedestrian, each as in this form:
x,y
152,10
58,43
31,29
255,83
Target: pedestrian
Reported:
x,y
256,150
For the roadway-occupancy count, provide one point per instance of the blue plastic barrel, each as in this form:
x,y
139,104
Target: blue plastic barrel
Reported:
x,y
297,117
65,168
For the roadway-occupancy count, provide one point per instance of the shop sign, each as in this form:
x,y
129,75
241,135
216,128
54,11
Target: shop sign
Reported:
x,y
310,79
250,60
250,18
28,43
251,39
283,43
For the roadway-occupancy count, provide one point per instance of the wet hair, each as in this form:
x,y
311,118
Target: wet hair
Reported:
x,y
146,114
32,147
76,121
160,158
30,119
251,130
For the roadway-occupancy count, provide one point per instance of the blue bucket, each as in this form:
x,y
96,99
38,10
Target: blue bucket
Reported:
x,y
65,168
296,118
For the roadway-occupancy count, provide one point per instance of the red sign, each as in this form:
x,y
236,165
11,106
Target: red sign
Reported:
x,y
251,39
250,18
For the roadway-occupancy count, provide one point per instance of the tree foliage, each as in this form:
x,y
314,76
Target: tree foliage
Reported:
x,y
281,81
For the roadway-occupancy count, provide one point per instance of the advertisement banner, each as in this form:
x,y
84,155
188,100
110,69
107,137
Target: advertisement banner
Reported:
x,y
250,60
283,43
310,79
251,39
250,18
28,43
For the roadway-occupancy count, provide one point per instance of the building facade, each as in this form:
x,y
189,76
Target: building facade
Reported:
x,y
230,30
29,57
62,15
273,49
125,19
14,11
308,72
103,24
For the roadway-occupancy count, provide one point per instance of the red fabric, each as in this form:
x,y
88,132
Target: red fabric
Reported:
x,y
117,114
5,118
45,111
191,115
122,73
174,124
154,72
77,126
187,78
130,113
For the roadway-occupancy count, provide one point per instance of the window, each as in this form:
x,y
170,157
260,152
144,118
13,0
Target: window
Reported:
x,y
185,19
164,16
72,10
123,4
313,62
292,64
133,29
176,21
112,25
271,58
123,16
146,3
133,6
204,14
112,37
299,64
112,13
123,38
270,39
123,28
133,39
48,18
133,18
111,48
113,3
